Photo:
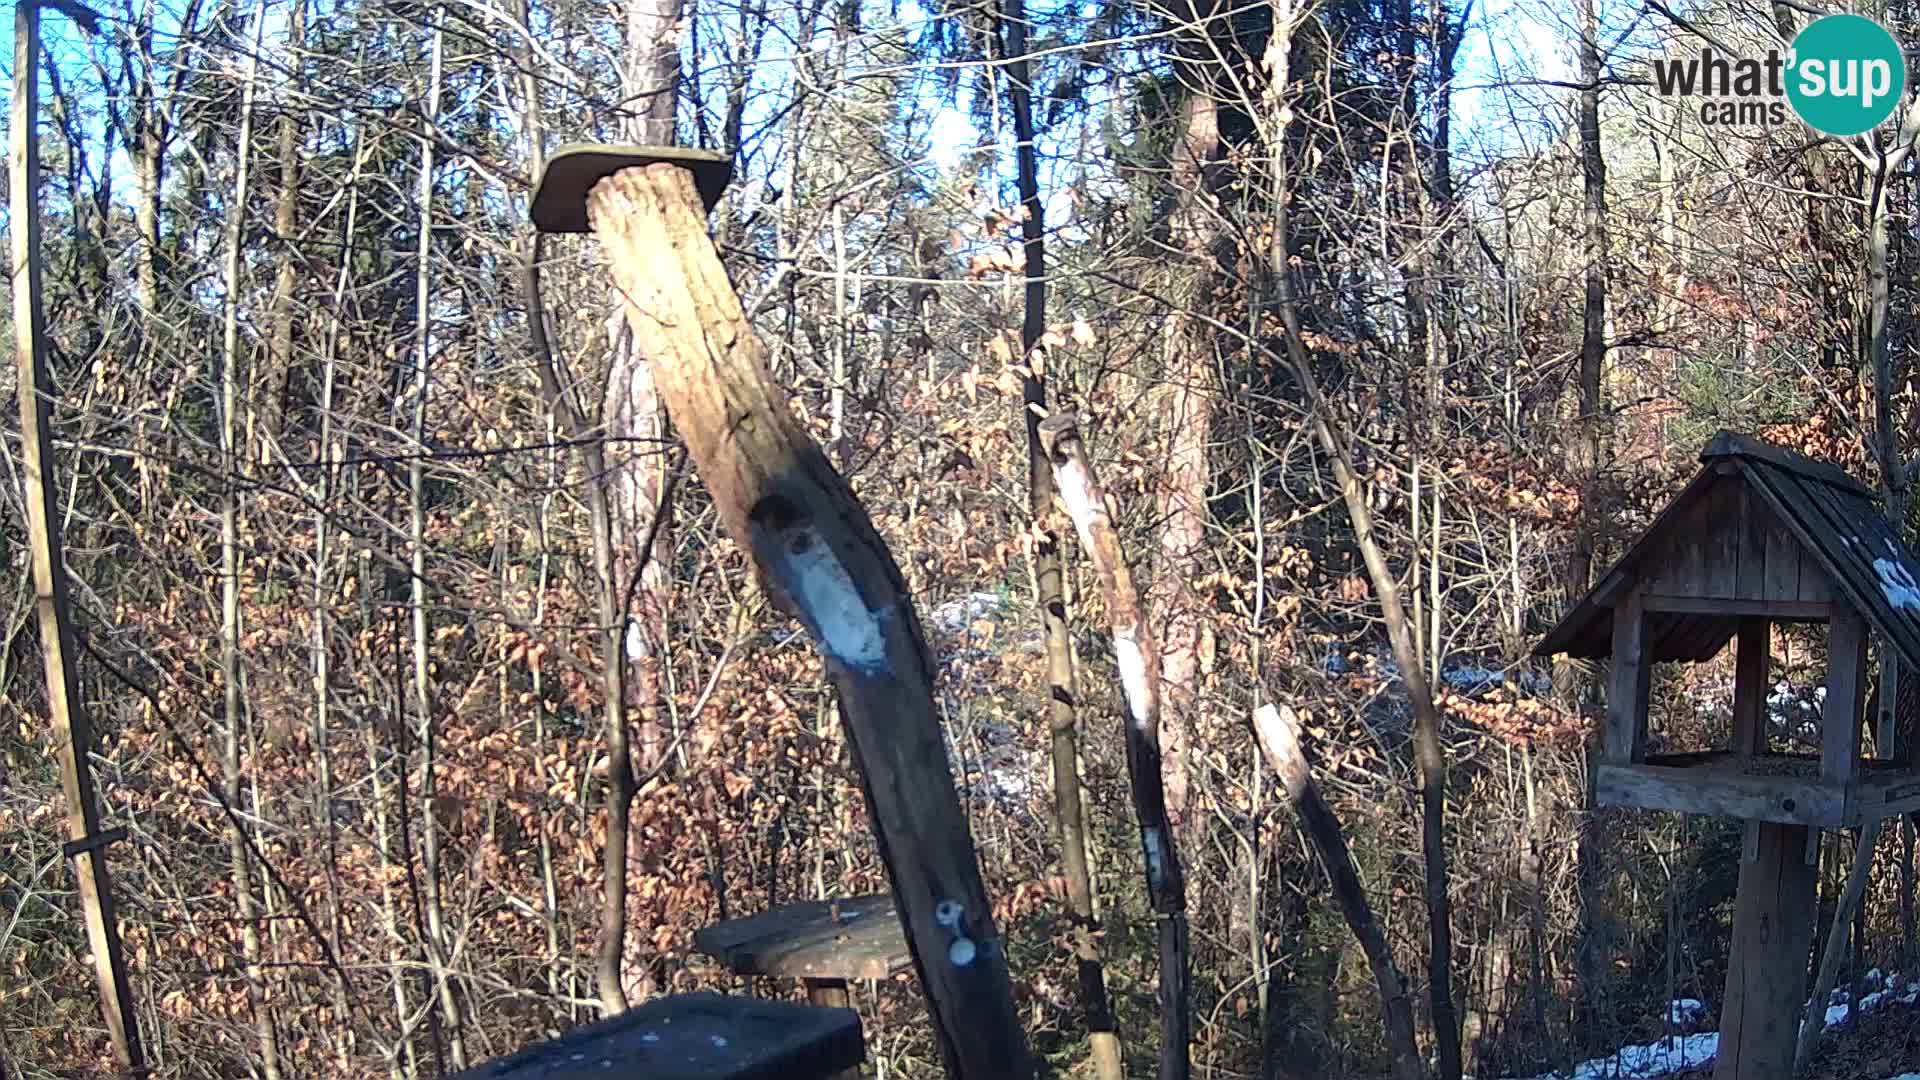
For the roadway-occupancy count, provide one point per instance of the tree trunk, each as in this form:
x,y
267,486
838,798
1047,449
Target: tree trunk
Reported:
x,y
438,937
1140,684
820,559
1187,413
1277,733
72,734
270,382
1063,696
235,711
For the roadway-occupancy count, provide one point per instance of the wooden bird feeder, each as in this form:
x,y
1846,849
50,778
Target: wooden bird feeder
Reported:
x,y
1761,535
695,1037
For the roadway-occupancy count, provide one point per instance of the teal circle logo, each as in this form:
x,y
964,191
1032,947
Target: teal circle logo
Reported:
x,y
1845,75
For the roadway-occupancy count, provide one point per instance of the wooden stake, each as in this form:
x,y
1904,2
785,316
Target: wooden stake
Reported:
x,y
72,739
820,559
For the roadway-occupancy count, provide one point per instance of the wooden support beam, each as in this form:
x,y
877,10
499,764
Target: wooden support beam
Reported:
x,y
1781,610
1753,646
72,737
820,559
1767,967
1630,680
1846,695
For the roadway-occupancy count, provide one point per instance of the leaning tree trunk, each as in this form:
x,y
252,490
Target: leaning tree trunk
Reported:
x,y
1278,736
1429,756
1140,682
820,559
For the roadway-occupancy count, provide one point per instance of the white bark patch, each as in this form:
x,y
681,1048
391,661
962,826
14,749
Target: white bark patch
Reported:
x,y
1133,679
829,602
636,641
1156,847
1898,585
1076,490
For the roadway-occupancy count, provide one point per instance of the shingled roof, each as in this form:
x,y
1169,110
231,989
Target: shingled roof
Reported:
x,y
1835,519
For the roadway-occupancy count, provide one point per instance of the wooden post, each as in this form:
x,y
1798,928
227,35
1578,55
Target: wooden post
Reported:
x,y
1846,693
1631,678
72,739
819,558
1139,661
1752,653
1767,967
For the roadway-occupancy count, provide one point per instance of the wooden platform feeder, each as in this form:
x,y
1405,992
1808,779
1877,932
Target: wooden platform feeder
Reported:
x,y
1761,535
823,943
695,1037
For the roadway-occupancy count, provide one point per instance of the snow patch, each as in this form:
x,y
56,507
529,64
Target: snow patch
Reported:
x,y
962,612
1650,1060
1898,585
1685,1012
1133,678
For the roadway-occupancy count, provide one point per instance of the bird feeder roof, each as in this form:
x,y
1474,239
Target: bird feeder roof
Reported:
x,y
1758,525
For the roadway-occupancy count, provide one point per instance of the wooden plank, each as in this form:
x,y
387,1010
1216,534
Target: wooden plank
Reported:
x,y
1846,694
1753,648
1628,682
1721,533
1767,965
1782,573
1686,569
1752,521
1720,794
695,1037
852,938
1782,610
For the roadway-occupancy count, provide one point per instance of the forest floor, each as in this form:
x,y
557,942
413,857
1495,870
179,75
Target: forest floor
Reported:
x,y
1879,1044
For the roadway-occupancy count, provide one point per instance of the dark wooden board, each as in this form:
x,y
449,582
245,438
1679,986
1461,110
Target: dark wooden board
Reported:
x,y
694,1037
808,941
560,198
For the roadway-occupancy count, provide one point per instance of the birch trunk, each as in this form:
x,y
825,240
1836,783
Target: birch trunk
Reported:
x,y
234,713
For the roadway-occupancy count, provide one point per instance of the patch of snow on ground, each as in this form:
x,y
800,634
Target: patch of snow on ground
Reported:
x,y
961,612
1685,1012
1679,1052
1651,1060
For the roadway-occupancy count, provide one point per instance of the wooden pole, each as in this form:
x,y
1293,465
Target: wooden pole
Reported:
x,y
1139,662
1767,968
1773,911
72,739
820,559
